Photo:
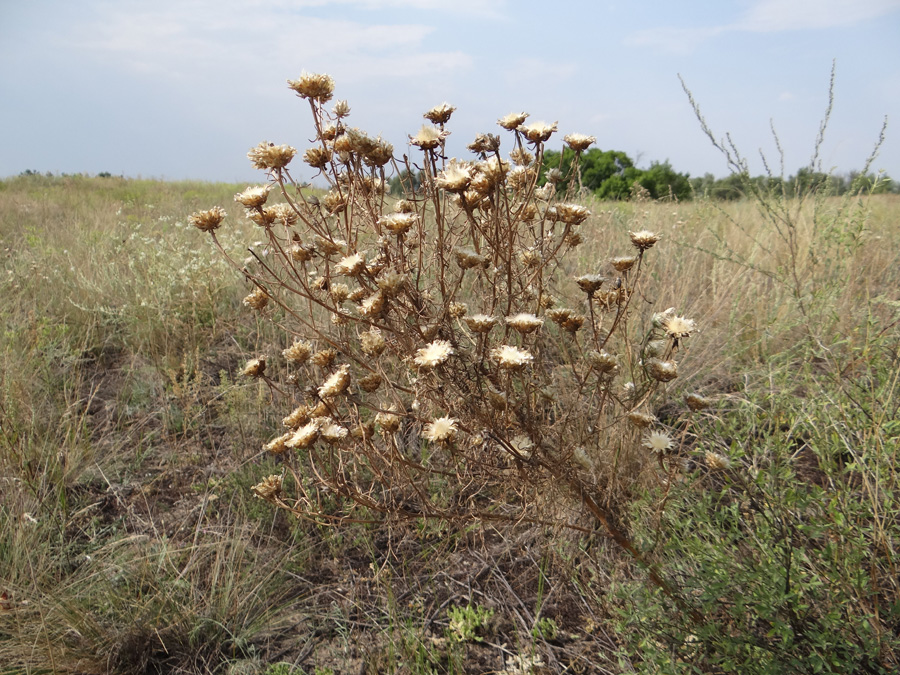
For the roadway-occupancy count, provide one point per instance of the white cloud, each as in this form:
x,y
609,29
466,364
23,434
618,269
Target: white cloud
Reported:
x,y
531,70
767,16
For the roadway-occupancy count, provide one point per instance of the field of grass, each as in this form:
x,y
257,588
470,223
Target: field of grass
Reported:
x,y
130,541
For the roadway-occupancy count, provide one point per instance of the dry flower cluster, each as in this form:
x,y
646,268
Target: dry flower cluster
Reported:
x,y
441,359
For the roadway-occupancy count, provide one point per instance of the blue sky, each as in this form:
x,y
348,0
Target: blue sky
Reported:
x,y
181,89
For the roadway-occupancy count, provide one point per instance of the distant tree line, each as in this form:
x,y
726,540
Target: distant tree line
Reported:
x,y
611,174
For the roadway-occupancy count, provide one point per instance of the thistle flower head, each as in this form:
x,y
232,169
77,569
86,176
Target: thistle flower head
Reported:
x,y
455,178
305,436
662,371
484,144
269,489
716,461
677,327
370,382
643,239
641,419
623,263
207,221
590,283
317,157
658,441
372,305
602,361
521,157
257,300
571,214
336,384
380,154
341,109
428,137
579,142
524,322
480,323
398,223
323,358
253,197
440,114
268,156
298,417
457,310
389,422
277,445
511,358
316,87
372,342
298,353
697,402
351,265
467,258
433,354
538,132
441,430
391,282
512,121
331,432
255,367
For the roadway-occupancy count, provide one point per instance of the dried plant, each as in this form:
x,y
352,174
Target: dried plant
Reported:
x,y
445,357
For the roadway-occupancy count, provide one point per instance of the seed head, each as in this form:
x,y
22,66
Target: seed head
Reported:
x,y
351,265
298,417
335,201
696,402
370,383
324,358
655,348
207,221
300,253
512,121
329,247
372,305
455,178
317,157
380,154
560,314
662,371
398,223
467,258
253,197
372,342
428,137
716,461
524,322
331,432
579,142
511,358
441,430
269,489
389,422
538,132
305,436
277,445
255,367
440,114
484,144
602,361
590,283
571,214
480,323
521,157
433,354
341,109
391,282
573,323
268,156
257,300
457,310
298,353
641,419
658,441
336,384
643,239
677,327
623,263
315,87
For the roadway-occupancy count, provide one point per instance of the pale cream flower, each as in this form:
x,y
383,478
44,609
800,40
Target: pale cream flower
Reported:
x,y
480,323
441,430
454,178
255,367
579,142
658,441
337,383
398,223
339,292
331,432
305,436
314,86
389,422
278,445
538,132
207,221
298,353
428,137
298,417
716,461
351,265
524,322
270,156
643,239
372,305
511,358
512,121
341,109
677,327
433,354
253,197
440,114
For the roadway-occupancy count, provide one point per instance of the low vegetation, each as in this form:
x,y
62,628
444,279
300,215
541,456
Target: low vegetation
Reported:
x,y
453,430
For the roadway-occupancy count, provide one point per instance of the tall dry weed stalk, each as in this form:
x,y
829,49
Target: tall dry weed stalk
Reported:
x,y
443,356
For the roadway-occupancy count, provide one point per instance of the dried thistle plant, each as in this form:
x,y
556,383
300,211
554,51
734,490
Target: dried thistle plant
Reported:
x,y
435,321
